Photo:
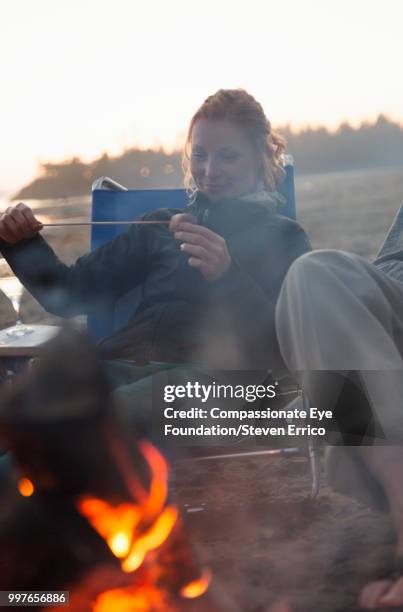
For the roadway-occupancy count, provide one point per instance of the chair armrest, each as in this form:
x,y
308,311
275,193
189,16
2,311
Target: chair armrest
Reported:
x,y
106,183
288,160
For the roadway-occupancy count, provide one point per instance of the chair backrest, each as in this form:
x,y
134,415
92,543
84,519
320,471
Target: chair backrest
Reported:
x,y
113,202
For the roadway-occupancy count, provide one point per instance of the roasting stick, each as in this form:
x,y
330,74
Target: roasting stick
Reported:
x,y
68,224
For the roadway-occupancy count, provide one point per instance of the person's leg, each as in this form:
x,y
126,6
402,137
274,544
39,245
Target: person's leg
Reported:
x,y
140,401
132,387
373,476
337,312
339,324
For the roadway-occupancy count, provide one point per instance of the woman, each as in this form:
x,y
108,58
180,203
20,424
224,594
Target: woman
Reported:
x,y
210,277
209,286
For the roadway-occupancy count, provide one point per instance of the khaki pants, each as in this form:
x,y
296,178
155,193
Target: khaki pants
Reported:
x,y
338,314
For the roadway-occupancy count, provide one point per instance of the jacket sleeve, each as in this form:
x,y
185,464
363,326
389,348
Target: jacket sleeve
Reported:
x,y
249,299
82,288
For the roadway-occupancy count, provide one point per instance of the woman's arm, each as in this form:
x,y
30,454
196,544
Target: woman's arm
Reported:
x,y
82,288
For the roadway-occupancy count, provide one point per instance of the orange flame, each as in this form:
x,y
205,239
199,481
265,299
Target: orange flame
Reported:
x,y
159,479
132,530
153,538
115,524
118,524
146,599
196,588
25,487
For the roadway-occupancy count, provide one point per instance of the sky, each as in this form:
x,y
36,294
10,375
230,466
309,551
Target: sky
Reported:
x,y
81,77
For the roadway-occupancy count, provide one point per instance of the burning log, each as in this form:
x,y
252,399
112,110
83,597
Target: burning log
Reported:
x,y
91,500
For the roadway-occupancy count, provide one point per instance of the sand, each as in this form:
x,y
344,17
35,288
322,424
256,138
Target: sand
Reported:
x,y
266,539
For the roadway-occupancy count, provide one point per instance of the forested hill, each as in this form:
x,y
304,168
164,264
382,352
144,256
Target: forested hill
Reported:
x,y
371,145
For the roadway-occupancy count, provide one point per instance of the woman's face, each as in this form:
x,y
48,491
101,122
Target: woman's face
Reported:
x,y
223,162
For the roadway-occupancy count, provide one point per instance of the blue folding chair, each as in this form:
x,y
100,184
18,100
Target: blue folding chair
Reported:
x,y
112,201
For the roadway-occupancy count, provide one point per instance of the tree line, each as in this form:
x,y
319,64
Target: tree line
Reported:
x,y
315,150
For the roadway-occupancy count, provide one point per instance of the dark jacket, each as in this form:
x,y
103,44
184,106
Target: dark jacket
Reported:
x,y
228,323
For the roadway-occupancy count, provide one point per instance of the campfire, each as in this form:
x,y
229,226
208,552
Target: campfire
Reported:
x,y
140,535
89,496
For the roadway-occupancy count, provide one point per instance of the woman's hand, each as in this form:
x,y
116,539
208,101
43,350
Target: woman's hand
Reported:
x,y
18,223
383,594
208,251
